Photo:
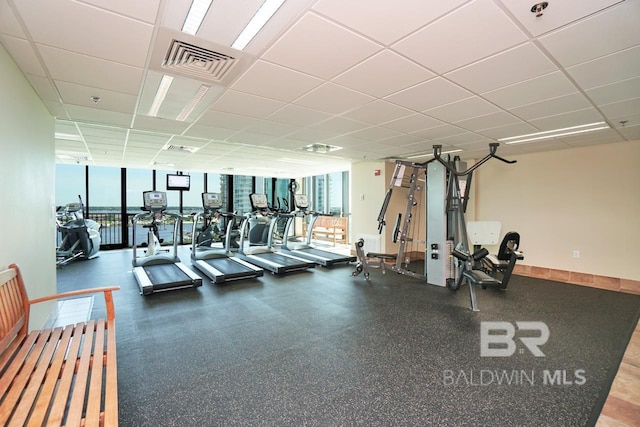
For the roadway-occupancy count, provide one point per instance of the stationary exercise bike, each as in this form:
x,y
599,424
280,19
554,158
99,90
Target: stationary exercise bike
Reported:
x,y
80,236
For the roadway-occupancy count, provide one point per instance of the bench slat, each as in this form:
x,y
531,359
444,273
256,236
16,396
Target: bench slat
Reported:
x,y
42,405
80,384
24,366
111,386
95,384
38,376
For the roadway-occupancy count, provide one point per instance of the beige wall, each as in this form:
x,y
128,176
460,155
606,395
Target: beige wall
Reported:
x,y
27,177
582,199
367,194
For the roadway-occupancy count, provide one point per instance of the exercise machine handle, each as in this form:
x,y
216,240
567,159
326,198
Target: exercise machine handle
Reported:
x,y
493,147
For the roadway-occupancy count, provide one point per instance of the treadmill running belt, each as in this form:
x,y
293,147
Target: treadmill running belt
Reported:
x,y
163,274
228,266
324,254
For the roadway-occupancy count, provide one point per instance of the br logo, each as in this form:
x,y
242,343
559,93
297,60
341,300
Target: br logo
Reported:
x,y
498,339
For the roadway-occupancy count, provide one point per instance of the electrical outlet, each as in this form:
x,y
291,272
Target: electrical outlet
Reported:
x,y
576,254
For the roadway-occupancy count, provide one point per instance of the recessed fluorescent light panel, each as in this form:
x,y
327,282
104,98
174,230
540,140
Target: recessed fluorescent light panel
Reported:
x,y
161,93
197,12
262,16
573,130
68,136
298,161
202,91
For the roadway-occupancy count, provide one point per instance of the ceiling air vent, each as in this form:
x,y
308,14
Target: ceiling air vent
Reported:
x,y
180,54
197,61
321,148
181,148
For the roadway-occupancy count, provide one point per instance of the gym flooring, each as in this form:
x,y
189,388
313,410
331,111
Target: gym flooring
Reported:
x,y
323,348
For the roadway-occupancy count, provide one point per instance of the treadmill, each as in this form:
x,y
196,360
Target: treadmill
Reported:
x,y
218,264
306,250
158,270
259,226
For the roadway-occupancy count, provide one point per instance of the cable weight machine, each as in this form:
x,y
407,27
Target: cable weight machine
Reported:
x,y
448,186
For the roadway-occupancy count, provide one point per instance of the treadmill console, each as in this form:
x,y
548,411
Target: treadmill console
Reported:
x,y
301,201
259,202
211,200
155,200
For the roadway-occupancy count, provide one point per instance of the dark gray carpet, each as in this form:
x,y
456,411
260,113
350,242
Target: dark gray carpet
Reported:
x,y
321,348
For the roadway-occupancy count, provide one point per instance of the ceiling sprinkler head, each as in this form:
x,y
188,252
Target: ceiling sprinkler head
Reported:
x,y
96,99
538,8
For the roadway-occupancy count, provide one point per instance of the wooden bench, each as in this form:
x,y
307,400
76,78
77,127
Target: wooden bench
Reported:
x,y
59,376
331,228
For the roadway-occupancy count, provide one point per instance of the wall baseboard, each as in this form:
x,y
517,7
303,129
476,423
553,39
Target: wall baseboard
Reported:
x,y
582,279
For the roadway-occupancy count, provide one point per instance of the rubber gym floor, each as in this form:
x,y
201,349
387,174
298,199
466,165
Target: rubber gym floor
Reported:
x,y
323,348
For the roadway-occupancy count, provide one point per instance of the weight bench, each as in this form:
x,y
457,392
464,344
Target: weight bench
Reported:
x,y
473,277
364,261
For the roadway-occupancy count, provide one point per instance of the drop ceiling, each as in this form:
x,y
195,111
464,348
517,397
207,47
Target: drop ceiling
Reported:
x,y
378,79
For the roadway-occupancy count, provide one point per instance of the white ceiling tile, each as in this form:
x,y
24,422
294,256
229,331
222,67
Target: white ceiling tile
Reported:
x,y
512,66
372,75
615,92
274,81
9,24
338,125
144,10
46,91
159,125
513,129
622,65
401,17
377,112
88,71
81,34
533,90
461,37
621,109
488,121
440,132
412,123
334,99
85,114
429,94
573,118
245,104
81,95
300,116
557,14
374,133
604,136
552,107
268,127
462,110
250,138
220,119
404,140
632,133
23,55
209,132
624,16
302,49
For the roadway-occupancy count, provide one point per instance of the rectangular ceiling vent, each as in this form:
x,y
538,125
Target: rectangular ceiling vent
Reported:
x,y
181,148
180,54
199,62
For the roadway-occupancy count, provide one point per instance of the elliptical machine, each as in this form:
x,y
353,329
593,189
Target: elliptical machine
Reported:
x,y
80,237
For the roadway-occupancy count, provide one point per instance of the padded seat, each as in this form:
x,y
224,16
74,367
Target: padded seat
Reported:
x,y
480,278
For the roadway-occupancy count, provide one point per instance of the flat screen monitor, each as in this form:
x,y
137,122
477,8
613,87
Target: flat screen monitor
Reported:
x,y
178,182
